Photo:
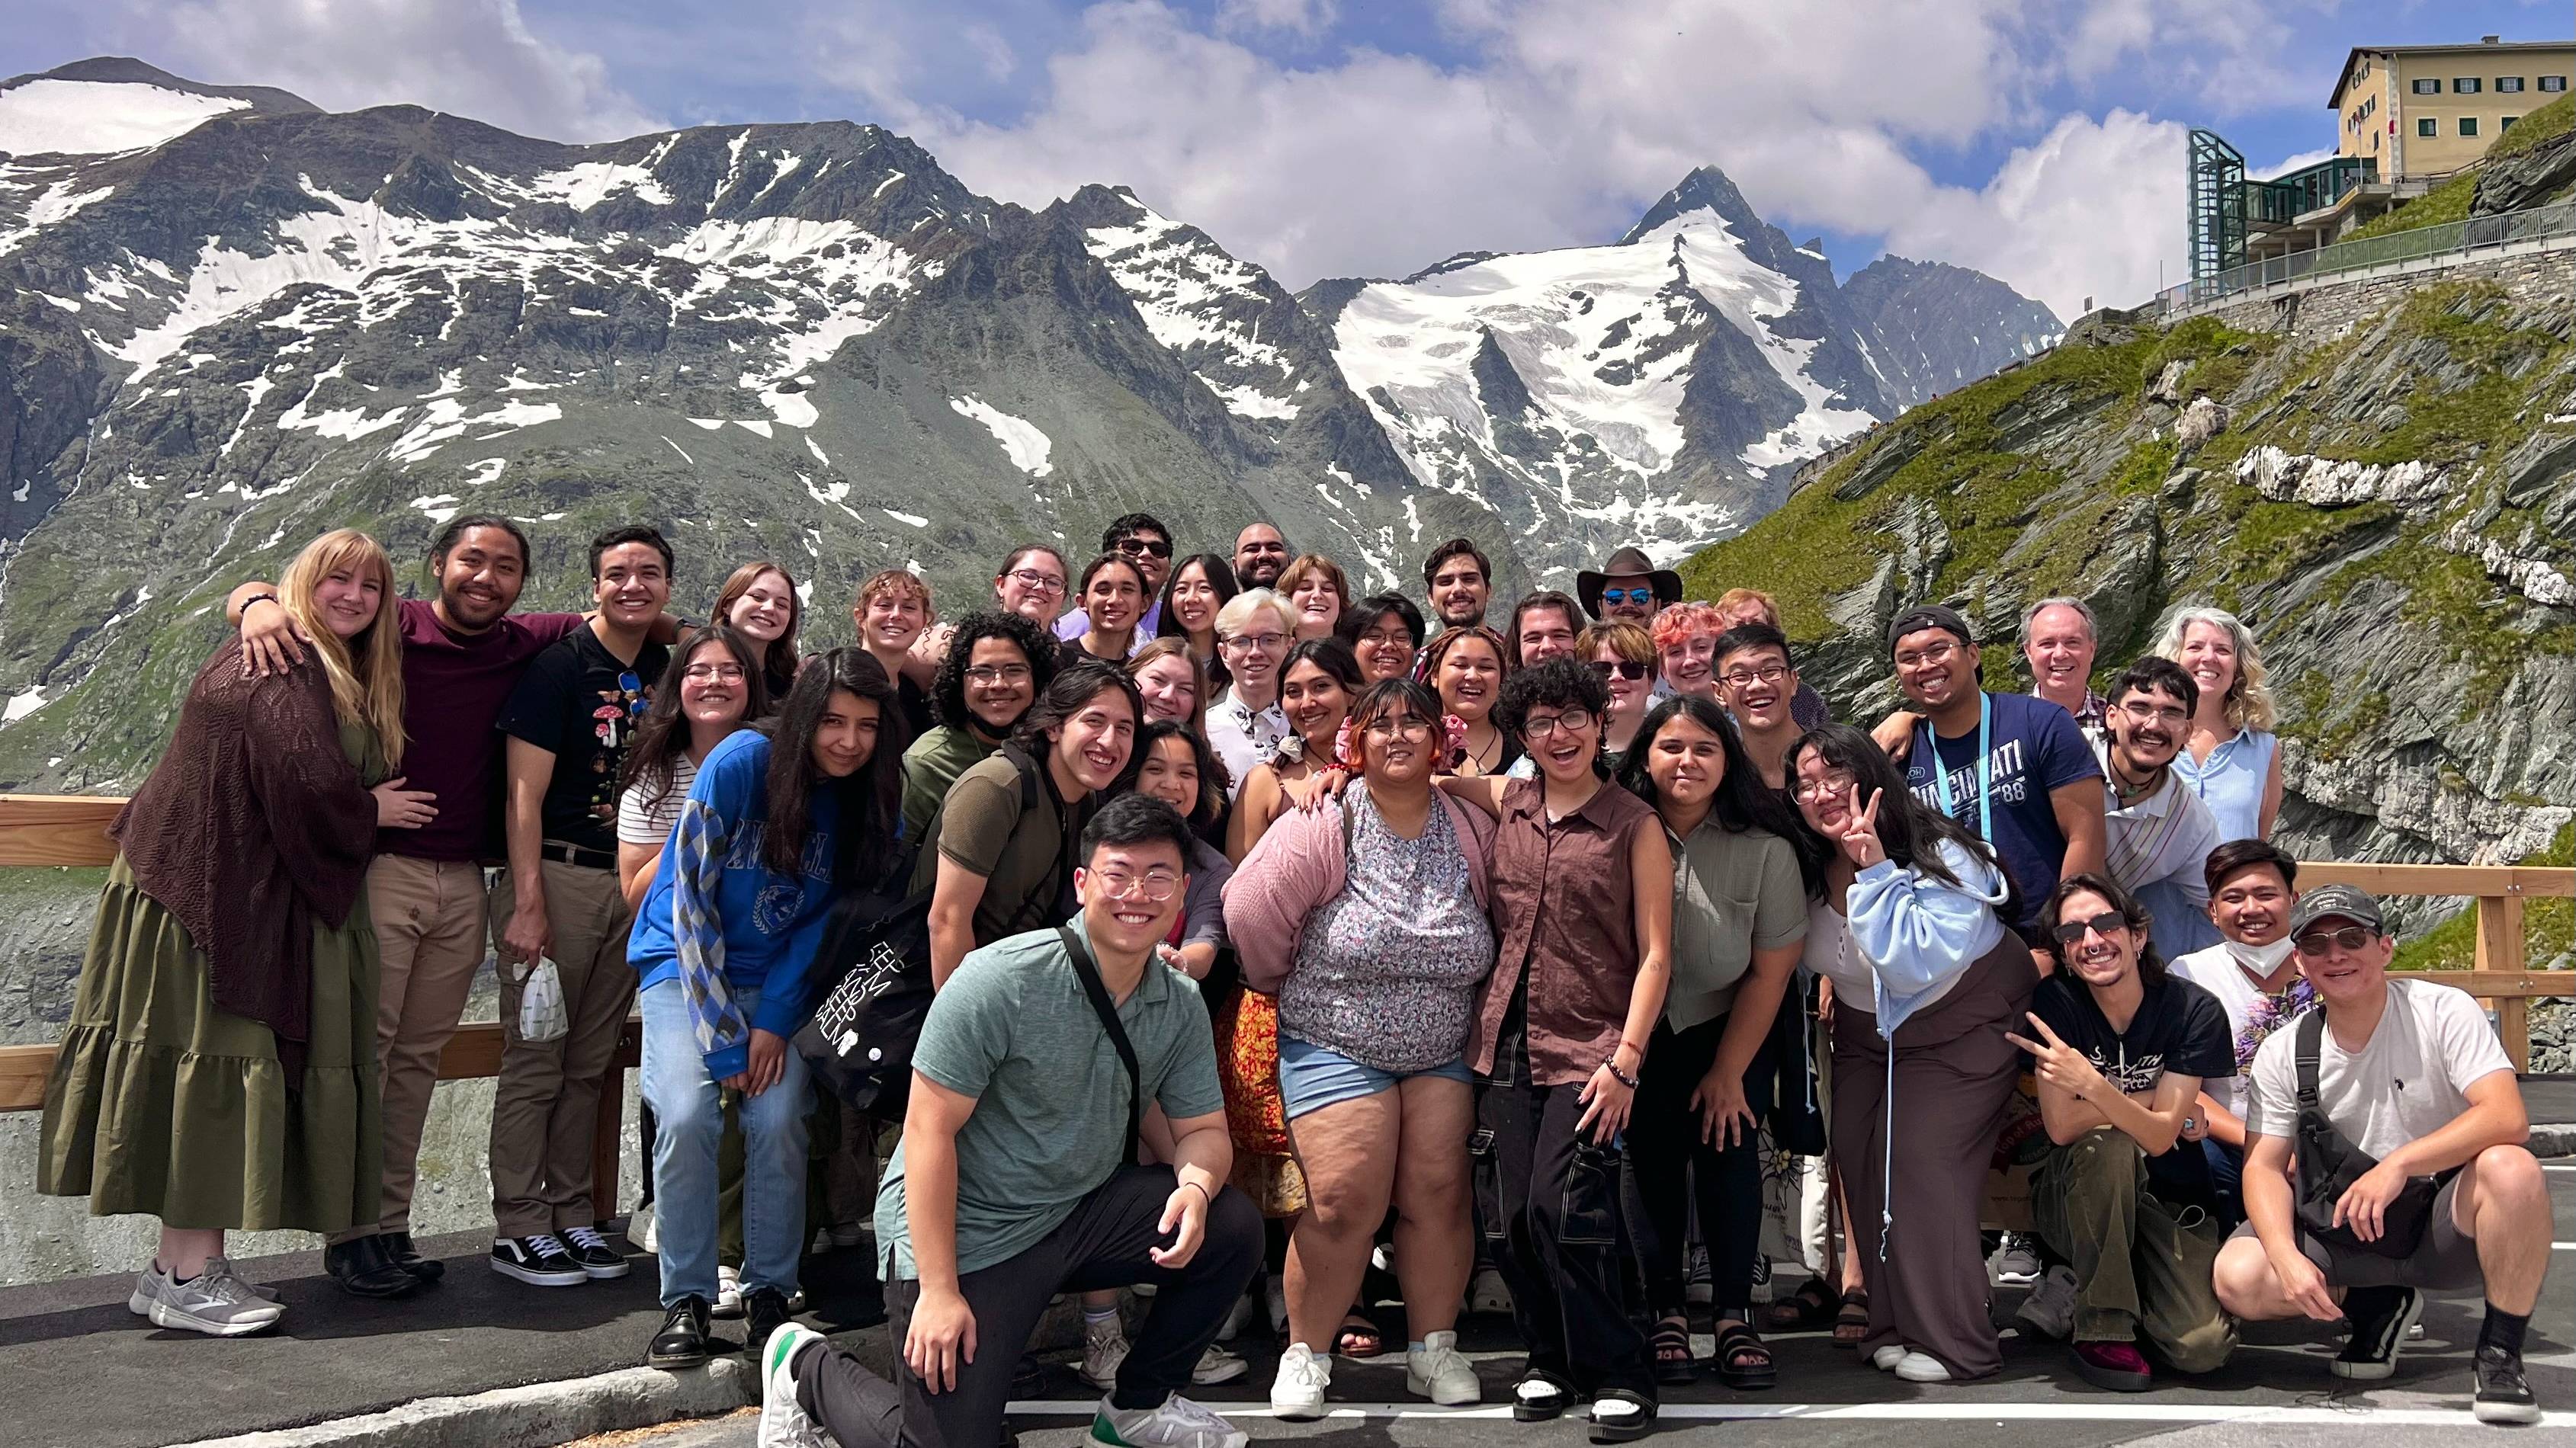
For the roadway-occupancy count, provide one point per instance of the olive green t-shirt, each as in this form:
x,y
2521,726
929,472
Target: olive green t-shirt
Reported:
x,y
933,763
1013,1029
1734,892
981,828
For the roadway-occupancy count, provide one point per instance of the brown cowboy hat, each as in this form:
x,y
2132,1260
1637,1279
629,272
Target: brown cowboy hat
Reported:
x,y
1624,563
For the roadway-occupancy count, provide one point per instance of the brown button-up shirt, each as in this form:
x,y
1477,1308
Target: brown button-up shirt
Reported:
x,y
1563,906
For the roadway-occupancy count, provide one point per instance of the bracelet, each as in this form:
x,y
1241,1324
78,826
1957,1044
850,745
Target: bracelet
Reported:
x,y
258,598
1203,1193
1622,1077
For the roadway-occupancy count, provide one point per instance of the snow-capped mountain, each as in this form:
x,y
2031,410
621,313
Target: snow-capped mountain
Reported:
x,y
229,320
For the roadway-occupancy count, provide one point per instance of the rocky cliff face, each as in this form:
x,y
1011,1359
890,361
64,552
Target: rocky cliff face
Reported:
x,y
2393,511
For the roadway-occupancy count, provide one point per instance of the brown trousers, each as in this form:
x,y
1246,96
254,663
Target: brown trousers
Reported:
x,y
429,918
1954,1070
545,1108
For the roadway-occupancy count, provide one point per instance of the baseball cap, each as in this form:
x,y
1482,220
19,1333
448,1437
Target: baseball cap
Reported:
x,y
2347,901
1928,615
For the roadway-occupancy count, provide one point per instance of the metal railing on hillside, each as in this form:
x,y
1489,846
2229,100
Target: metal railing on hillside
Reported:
x,y
2449,239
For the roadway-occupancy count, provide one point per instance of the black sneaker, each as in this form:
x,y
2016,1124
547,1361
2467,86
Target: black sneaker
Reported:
x,y
398,1247
539,1261
2380,1317
683,1341
2504,1395
598,1260
764,1311
362,1269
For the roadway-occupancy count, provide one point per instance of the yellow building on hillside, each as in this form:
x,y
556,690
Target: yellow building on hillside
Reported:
x,y
2419,111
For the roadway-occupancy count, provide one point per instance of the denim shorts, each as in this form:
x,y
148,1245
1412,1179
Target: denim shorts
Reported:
x,y
1312,1077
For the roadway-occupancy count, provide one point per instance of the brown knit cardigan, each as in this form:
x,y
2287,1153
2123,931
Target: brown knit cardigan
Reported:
x,y
252,827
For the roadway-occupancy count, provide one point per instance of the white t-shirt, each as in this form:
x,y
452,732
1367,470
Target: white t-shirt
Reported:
x,y
649,819
2408,1082
2216,971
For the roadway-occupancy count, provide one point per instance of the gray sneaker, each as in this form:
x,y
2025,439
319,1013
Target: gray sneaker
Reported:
x,y
2050,1309
214,1302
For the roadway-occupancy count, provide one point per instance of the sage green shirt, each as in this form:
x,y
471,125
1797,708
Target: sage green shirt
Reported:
x,y
931,765
1013,1029
1734,892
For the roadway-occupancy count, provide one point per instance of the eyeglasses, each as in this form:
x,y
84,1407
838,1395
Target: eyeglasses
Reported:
x,y
713,673
1767,674
1930,657
1155,885
1627,595
1387,638
1036,582
1146,547
1624,668
1540,726
2319,942
1263,642
998,674
2142,712
1411,726
2070,931
1839,782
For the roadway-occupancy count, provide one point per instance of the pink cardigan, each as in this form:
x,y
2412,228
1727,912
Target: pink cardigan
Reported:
x,y
1298,865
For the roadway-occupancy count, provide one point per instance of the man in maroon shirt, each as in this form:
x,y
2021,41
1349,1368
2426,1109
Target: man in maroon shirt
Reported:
x,y
463,652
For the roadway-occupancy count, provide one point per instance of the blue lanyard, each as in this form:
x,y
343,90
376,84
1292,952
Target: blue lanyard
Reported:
x,y
1985,780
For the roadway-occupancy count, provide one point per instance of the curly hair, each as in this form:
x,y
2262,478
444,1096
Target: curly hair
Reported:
x,y
1681,622
948,686
1560,682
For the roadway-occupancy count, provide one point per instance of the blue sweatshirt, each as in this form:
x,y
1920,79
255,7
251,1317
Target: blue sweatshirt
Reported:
x,y
1919,934
719,921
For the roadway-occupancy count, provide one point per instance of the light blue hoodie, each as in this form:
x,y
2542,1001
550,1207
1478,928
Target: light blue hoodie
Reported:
x,y
1919,934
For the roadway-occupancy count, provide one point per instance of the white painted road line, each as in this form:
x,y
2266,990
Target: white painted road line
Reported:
x,y
2059,1412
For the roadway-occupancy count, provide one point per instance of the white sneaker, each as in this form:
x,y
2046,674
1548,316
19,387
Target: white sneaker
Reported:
x,y
214,1302
783,1420
728,1301
1921,1367
1179,1423
1297,1394
1437,1371
1241,1317
147,1290
1488,1294
2049,1311
1104,1347
1216,1365
1886,1358
1278,1303
2015,1262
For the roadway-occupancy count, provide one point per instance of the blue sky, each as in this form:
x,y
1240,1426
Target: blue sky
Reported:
x,y
2039,140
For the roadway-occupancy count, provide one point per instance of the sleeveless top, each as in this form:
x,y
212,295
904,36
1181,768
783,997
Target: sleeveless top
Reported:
x,y
2230,782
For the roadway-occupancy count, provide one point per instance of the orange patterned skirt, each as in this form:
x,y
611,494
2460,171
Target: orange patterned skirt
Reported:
x,y
1247,1066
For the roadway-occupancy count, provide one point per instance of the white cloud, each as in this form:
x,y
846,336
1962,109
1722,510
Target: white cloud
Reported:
x,y
469,57
1299,17
2288,164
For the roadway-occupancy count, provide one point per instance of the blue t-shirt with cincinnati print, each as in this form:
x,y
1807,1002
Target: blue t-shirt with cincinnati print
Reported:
x,y
2032,747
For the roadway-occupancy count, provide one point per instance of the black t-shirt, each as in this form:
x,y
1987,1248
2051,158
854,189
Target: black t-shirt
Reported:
x,y
579,702
914,701
2179,1027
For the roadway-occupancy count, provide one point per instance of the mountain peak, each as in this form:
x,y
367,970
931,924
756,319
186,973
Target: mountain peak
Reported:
x,y
111,103
1706,188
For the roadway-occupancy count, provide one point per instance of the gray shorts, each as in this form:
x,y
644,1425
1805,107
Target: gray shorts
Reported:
x,y
2445,1261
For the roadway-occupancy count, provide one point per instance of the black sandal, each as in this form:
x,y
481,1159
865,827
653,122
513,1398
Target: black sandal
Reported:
x,y
1550,1402
1851,1324
1810,1307
1626,1426
1736,1340
1358,1337
1674,1365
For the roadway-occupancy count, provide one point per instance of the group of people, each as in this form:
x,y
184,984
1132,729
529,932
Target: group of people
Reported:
x,y
1274,931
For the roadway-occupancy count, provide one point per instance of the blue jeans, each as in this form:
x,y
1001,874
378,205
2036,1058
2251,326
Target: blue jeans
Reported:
x,y
689,1120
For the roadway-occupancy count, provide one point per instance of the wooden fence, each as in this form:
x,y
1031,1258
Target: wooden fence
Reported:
x,y
60,830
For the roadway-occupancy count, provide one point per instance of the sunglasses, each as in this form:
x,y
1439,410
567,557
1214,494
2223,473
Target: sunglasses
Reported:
x,y
2070,931
1150,547
2318,942
1624,668
1627,595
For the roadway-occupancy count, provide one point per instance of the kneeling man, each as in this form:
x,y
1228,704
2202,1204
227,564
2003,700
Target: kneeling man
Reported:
x,y
1017,1177
2399,1090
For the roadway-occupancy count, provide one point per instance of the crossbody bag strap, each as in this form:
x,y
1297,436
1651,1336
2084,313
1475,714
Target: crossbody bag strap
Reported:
x,y
2308,1043
1088,971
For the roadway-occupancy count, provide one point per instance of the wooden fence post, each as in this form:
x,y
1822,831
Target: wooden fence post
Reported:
x,y
2500,946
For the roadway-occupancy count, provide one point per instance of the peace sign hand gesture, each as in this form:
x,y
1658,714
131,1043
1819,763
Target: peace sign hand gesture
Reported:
x,y
2057,1063
1859,837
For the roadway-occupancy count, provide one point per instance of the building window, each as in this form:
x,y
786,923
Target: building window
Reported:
x,y
2428,127
2508,85
2468,125
2428,87
2506,124
2466,85
2553,82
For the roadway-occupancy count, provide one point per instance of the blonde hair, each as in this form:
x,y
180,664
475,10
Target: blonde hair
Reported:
x,y
1735,598
1626,639
365,672
1176,647
1239,610
2249,697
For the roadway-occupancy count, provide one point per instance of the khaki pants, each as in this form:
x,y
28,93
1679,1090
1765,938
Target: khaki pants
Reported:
x,y
429,917
545,1108
2142,1268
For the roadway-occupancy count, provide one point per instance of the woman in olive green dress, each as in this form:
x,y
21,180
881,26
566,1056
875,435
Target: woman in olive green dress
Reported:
x,y
219,1071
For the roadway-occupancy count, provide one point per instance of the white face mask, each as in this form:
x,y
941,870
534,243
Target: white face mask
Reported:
x,y
2260,959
